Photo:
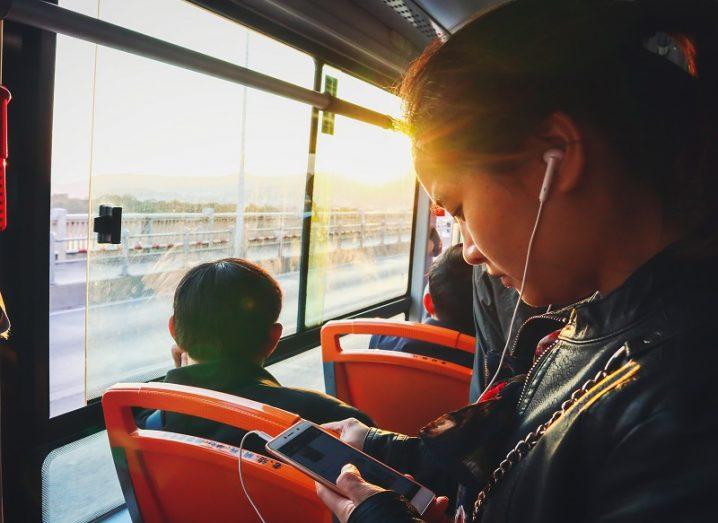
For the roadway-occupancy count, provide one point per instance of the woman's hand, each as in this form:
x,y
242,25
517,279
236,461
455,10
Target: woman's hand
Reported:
x,y
351,431
354,490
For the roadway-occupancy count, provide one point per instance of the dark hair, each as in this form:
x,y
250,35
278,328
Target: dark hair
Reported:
x,y
479,96
451,289
435,239
225,308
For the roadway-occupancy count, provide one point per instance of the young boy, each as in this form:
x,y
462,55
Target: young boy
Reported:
x,y
225,326
448,303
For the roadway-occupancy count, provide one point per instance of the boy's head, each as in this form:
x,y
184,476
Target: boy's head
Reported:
x,y
227,309
450,296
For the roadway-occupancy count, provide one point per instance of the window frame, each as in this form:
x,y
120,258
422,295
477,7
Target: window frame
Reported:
x,y
28,432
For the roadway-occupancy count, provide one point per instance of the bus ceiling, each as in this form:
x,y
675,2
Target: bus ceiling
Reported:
x,y
378,36
375,39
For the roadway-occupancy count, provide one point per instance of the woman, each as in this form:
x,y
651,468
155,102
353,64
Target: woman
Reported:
x,y
602,410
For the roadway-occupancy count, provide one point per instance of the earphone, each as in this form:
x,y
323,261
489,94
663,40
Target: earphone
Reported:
x,y
553,158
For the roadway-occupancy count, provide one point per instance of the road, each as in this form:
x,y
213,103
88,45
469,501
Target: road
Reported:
x,y
129,341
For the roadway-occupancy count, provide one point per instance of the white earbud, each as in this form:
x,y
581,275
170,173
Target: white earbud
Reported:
x,y
553,158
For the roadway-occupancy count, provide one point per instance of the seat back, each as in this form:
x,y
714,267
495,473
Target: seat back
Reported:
x,y
168,477
400,391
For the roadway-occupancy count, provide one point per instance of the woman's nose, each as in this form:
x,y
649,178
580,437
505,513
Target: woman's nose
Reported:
x,y
472,254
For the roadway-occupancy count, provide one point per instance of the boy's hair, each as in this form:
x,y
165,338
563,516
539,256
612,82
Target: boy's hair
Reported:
x,y
451,289
225,309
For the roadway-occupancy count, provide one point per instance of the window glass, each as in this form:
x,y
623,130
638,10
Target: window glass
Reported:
x,y
187,25
362,217
203,169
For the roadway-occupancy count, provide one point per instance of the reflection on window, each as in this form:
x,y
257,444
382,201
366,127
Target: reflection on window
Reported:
x,y
202,168
362,217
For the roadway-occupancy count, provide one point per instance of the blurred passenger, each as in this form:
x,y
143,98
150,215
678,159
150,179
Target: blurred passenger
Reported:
x,y
225,326
434,246
493,308
448,303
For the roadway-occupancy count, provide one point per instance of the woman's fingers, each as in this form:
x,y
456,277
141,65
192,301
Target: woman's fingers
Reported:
x,y
335,426
351,431
354,490
353,486
339,505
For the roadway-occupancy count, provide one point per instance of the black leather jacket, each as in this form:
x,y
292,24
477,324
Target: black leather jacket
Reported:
x,y
642,446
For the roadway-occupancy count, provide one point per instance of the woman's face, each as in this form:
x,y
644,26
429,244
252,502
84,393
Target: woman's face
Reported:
x,y
596,228
496,213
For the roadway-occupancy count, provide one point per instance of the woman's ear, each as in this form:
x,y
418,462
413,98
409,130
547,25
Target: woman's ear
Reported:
x,y
560,131
171,326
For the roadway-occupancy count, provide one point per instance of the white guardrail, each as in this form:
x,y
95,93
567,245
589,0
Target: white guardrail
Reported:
x,y
265,235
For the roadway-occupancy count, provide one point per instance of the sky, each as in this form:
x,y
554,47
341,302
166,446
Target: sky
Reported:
x,y
118,114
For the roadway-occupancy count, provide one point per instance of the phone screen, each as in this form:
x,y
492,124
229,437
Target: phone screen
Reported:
x,y
325,456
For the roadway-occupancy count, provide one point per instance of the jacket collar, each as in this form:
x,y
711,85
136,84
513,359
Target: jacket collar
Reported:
x,y
664,285
224,374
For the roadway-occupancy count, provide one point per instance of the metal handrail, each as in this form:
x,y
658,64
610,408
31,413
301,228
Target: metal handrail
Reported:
x,y
50,17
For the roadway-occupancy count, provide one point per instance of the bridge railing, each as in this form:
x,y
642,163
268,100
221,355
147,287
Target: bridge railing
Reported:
x,y
187,237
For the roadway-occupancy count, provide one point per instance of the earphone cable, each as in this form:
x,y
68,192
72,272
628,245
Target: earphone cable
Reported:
x,y
241,478
518,302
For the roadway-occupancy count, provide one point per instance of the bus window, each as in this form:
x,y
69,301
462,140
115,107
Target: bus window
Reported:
x,y
202,168
363,195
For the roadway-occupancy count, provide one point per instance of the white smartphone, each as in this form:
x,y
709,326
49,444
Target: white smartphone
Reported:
x,y
321,455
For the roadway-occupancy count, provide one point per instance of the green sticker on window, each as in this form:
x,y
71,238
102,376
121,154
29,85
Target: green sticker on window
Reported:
x,y
330,87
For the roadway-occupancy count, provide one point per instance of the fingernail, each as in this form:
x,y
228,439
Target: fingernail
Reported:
x,y
349,468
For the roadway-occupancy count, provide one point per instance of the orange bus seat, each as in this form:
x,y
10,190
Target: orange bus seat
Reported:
x,y
401,392
168,477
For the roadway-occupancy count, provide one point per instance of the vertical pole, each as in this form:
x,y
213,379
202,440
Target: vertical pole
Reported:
x,y
417,276
308,203
185,247
339,231
383,229
125,270
52,258
240,241
280,238
208,212
362,228
60,217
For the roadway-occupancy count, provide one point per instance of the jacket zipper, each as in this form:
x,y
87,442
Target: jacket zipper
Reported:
x,y
543,355
560,319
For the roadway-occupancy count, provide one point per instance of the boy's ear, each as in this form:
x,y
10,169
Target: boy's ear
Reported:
x,y
429,305
275,332
171,326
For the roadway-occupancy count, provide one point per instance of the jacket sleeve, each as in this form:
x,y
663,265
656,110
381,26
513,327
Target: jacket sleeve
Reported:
x,y
410,456
661,470
385,507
